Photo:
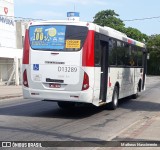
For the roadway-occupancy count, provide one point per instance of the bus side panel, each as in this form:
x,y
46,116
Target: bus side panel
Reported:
x,y
127,79
138,78
97,77
122,77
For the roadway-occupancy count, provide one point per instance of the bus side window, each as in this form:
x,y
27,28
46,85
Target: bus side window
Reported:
x,y
133,59
132,56
112,52
120,53
139,56
126,54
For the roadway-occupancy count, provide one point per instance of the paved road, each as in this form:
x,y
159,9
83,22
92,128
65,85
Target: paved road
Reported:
x,y
32,120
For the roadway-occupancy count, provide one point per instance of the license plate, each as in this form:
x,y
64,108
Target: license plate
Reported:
x,y
54,85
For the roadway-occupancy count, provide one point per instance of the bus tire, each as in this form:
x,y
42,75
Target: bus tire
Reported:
x,y
66,105
134,96
114,103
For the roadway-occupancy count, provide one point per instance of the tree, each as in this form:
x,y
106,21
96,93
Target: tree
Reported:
x,y
153,47
136,34
109,18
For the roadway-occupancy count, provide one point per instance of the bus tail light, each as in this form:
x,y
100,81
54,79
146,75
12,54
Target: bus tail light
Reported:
x,y
25,80
85,85
26,48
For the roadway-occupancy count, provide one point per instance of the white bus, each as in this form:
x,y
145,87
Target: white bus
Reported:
x,y
79,62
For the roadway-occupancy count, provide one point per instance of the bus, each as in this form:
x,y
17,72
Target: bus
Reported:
x,y
79,62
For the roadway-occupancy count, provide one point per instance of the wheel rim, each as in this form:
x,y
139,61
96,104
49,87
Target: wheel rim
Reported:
x,y
115,99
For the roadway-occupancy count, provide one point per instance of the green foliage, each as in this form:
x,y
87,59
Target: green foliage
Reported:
x,y
108,18
135,34
153,46
154,41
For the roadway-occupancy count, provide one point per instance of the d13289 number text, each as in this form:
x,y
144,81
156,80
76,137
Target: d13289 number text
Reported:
x,y
67,69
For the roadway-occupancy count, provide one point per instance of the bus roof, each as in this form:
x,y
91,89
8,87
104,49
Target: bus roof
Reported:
x,y
91,26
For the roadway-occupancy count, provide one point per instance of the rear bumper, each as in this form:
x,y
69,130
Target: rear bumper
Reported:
x,y
76,96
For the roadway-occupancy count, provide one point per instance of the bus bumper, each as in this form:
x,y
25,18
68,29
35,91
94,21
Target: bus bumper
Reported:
x,y
76,96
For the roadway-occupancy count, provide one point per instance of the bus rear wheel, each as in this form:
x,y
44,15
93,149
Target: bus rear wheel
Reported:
x,y
66,105
134,96
114,103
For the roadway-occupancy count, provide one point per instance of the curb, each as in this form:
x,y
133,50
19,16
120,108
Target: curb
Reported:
x,y
10,96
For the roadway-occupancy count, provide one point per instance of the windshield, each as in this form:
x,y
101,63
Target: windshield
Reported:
x,y
57,37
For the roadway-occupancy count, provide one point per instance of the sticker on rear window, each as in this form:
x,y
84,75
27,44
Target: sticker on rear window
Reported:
x,y
47,37
73,43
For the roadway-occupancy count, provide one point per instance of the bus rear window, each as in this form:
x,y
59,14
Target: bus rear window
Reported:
x,y
57,37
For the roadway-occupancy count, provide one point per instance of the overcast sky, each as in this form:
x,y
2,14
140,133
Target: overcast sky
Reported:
x,y
57,9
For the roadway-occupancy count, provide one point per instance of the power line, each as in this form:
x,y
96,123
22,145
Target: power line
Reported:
x,y
141,19
33,19
137,19
21,18
27,19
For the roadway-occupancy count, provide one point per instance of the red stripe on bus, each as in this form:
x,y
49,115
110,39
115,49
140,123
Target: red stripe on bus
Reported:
x,y
26,48
110,84
129,41
88,50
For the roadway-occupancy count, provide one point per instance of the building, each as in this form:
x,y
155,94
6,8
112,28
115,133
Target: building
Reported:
x,y
10,47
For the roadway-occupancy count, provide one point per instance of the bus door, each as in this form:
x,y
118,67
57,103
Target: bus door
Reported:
x,y
145,68
104,46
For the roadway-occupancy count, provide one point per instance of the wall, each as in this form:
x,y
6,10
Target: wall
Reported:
x,y
7,25
8,42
